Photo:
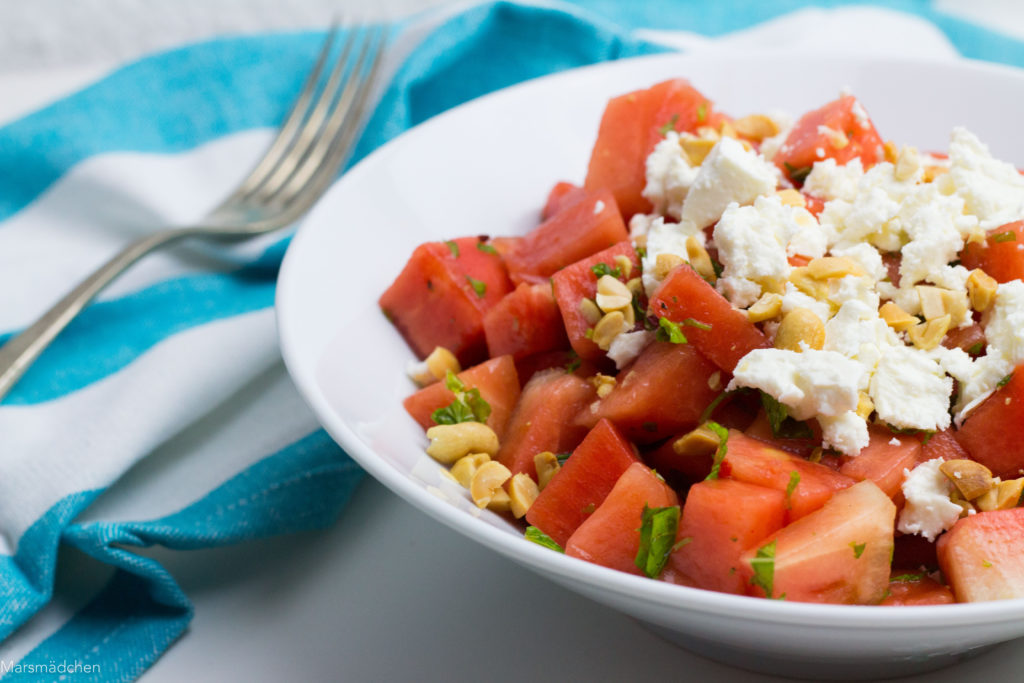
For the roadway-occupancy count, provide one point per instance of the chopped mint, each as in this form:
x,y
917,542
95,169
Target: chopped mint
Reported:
x,y
658,529
763,565
479,287
468,406
858,549
794,480
723,439
486,248
702,112
1008,236
453,247
540,538
600,269
669,125
670,332
783,426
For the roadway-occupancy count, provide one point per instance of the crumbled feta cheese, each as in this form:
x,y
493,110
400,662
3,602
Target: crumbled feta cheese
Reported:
x,y
978,383
669,176
1004,330
847,432
928,510
598,207
626,346
858,333
753,245
872,213
935,226
992,190
810,383
729,174
640,224
828,180
665,238
770,146
910,390
895,442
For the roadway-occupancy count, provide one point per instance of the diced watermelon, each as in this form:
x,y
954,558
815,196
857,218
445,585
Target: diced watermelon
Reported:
x,y
971,339
755,462
917,591
664,392
722,518
498,384
665,460
528,366
883,461
577,282
630,127
684,294
441,295
1001,255
525,322
941,445
839,130
990,433
561,195
761,429
580,229
582,483
611,536
543,419
838,554
982,556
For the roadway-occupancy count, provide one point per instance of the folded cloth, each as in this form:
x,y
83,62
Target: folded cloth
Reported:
x,y
163,415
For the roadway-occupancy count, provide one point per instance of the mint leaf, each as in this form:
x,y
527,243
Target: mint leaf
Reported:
x,y
723,440
794,480
1004,381
540,538
763,565
670,125
453,247
600,269
1008,236
479,287
658,529
702,112
468,406
909,577
858,549
783,426
669,331
486,248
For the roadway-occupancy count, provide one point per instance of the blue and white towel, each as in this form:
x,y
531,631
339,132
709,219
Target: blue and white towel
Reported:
x,y
163,414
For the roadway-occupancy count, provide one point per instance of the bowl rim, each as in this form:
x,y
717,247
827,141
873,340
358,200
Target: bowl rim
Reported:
x,y
853,617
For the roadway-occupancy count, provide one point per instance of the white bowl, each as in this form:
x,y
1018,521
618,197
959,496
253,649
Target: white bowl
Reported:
x,y
485,168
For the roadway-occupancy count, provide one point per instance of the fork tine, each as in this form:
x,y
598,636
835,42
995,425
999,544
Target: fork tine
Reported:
x,y
312,128
286,133
333,147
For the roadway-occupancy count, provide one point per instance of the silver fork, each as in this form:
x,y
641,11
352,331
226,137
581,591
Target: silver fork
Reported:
x,y
313,142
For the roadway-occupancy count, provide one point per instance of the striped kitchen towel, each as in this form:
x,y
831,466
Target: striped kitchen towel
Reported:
x,y
163,414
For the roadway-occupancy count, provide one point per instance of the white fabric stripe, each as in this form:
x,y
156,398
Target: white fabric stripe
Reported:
x,y
821,30
105,202
87,439
265,416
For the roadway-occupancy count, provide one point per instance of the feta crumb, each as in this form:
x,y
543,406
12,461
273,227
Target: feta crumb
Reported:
x,y
1005,328
847,432
992,190
626,346
828,180
910,390
665,238
810,383
598,207
669,176
794,298
865,256
895,442
928,510
729,174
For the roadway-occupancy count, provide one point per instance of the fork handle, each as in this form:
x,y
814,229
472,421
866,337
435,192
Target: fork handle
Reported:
x,y
19,353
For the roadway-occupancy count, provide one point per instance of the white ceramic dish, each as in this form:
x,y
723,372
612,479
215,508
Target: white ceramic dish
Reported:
x,y
485,167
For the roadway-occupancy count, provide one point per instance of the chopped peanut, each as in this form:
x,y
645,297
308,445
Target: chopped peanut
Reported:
x,y
448,443
971,479
635,286
701,441
895,317
591,312
466,466
765,308
1003,496
981,288
522,491
612,294
791,197
865,406
937,302
828,267
890,151
708,133
907,163
700,259
696,149
800,328
665,263
933,172
727,130
928,335
624,264
607,328
435,367
756,127
546,464
603,383
807,283
486,487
